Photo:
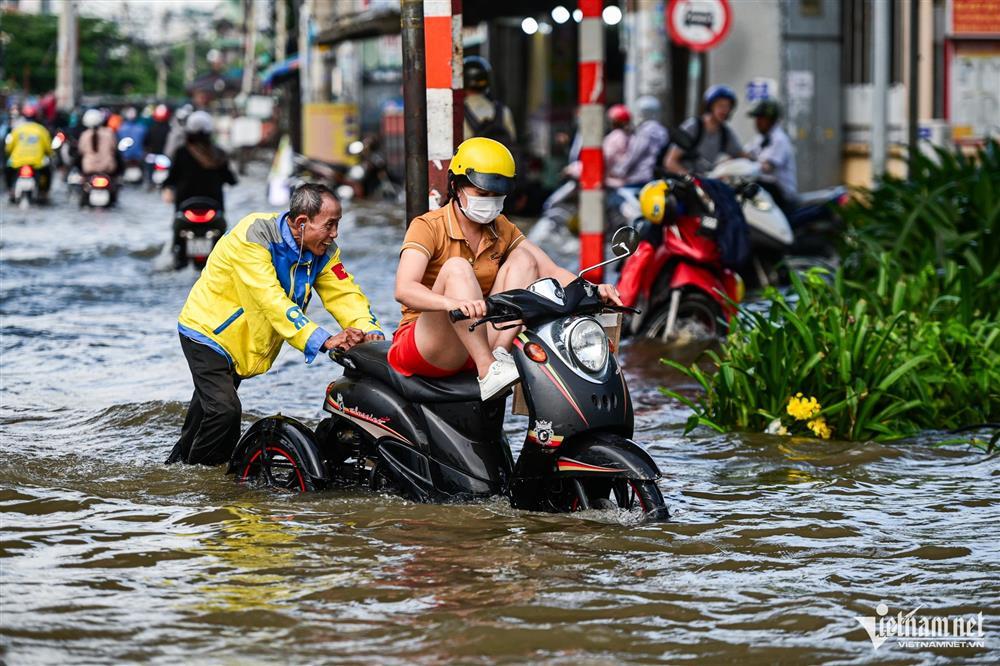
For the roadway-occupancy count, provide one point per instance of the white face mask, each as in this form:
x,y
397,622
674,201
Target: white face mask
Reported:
x,y
482,210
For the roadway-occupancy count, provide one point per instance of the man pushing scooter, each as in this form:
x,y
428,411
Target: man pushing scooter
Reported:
x,y
250,297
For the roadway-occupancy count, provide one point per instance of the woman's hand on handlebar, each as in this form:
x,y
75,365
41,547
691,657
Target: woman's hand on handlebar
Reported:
x,y
609,294
471,309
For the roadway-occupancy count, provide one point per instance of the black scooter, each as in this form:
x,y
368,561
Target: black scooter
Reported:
x,y
199,223
434,440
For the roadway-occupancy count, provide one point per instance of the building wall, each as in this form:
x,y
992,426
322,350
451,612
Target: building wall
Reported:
x,y
751,50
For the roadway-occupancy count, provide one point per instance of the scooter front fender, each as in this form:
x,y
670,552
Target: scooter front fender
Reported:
x,y
296,434
604,454
690,275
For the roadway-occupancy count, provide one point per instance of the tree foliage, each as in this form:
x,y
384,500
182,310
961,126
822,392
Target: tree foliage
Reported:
x,y
111,63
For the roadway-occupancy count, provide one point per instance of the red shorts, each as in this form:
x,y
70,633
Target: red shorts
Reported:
x,y
405,358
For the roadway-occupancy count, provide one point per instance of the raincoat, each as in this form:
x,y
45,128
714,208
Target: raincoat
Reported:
x,y
28,144
253,294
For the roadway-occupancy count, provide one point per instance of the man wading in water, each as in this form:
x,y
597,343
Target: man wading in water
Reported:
x,y
252,295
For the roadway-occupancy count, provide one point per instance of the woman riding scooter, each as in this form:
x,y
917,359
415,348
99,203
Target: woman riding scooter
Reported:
x,y
98,146
197,174
200,168
451,258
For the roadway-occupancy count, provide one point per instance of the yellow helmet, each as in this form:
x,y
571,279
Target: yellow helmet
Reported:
x,y
486,163
653,200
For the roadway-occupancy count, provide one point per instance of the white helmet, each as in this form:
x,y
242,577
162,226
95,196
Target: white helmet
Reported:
x,y
92,118
199,122
647,107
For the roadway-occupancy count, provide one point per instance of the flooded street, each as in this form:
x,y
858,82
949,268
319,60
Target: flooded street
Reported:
x,y
775,546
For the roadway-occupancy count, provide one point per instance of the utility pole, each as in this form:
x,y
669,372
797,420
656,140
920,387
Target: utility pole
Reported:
x,y
161,72
646,71
411,14
68,58
590,98
280,30
445,89
881,41
913,85
249,46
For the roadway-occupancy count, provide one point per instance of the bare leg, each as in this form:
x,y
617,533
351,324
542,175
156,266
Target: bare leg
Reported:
x,y
520,270
447,345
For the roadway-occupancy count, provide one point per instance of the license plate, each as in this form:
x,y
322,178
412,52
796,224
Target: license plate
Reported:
x,y
24,185
199,247
133,174
100,197
159,177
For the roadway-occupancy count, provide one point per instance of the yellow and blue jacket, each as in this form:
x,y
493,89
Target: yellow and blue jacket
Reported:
x,y
28,144
254,291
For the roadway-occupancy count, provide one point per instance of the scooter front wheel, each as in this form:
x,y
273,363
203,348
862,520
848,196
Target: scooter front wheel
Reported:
x,y
616,495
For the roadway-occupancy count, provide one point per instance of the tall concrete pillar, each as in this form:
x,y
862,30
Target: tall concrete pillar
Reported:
x,y
646,58
590,97
445,93
68,57
881,41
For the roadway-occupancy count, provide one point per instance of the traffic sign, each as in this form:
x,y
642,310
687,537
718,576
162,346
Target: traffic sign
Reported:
x,y
699,25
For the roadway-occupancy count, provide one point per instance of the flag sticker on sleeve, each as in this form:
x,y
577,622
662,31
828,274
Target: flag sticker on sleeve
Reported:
x,y
339,271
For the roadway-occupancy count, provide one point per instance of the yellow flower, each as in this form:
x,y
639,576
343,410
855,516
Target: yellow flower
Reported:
x,y
820,428
803,408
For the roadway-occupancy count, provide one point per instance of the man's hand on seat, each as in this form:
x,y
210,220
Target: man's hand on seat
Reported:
x,y
345,340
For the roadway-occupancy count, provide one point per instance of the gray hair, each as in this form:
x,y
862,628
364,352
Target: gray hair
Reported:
x,y
308,200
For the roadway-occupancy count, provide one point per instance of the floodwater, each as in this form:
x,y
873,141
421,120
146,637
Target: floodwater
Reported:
x,y
774,548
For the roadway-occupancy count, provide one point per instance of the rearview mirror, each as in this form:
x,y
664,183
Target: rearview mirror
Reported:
x,y
624,241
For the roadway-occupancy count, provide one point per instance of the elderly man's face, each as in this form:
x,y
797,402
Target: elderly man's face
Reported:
x,y
320,231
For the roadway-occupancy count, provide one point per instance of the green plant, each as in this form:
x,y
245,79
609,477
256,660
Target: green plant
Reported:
x,y
880,368
947,210
902,338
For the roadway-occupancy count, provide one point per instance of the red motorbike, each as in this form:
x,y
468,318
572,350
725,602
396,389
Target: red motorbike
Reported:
x,y
676,277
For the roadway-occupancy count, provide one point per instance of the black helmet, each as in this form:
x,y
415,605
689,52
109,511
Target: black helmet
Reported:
x,y
765,108
476,73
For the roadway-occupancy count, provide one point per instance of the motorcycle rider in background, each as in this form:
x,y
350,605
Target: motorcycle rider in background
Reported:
x,y
485,116
614,146
645,148
710,134
176,137
155,141
98,146
772,148
132,128
200,168
29,144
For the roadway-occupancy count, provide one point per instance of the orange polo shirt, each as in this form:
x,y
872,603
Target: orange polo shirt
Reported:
x,y
439,236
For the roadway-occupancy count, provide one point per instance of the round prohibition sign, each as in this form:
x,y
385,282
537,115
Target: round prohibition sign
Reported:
x,y
700,25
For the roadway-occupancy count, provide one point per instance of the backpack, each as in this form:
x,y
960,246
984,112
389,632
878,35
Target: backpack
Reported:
x,y
491,128
699,132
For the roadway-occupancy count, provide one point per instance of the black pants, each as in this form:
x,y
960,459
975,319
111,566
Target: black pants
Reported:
x,y
212,426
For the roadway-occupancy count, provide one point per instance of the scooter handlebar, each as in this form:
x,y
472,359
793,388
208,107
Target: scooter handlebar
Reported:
x,y
457,315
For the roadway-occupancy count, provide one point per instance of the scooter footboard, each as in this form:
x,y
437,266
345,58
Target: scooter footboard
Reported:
x,y
603,454
290,432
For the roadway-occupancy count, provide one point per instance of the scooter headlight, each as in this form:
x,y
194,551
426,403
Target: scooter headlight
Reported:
x,y
589,344
762,204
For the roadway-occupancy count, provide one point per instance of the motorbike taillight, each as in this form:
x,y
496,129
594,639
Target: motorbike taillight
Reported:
x,y
199,215
99,181
26,172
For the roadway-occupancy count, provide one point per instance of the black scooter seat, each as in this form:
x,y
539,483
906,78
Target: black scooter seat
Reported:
x,y
370,359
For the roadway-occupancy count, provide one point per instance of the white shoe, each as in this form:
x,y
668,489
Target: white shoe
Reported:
x,y
503,355
500,377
